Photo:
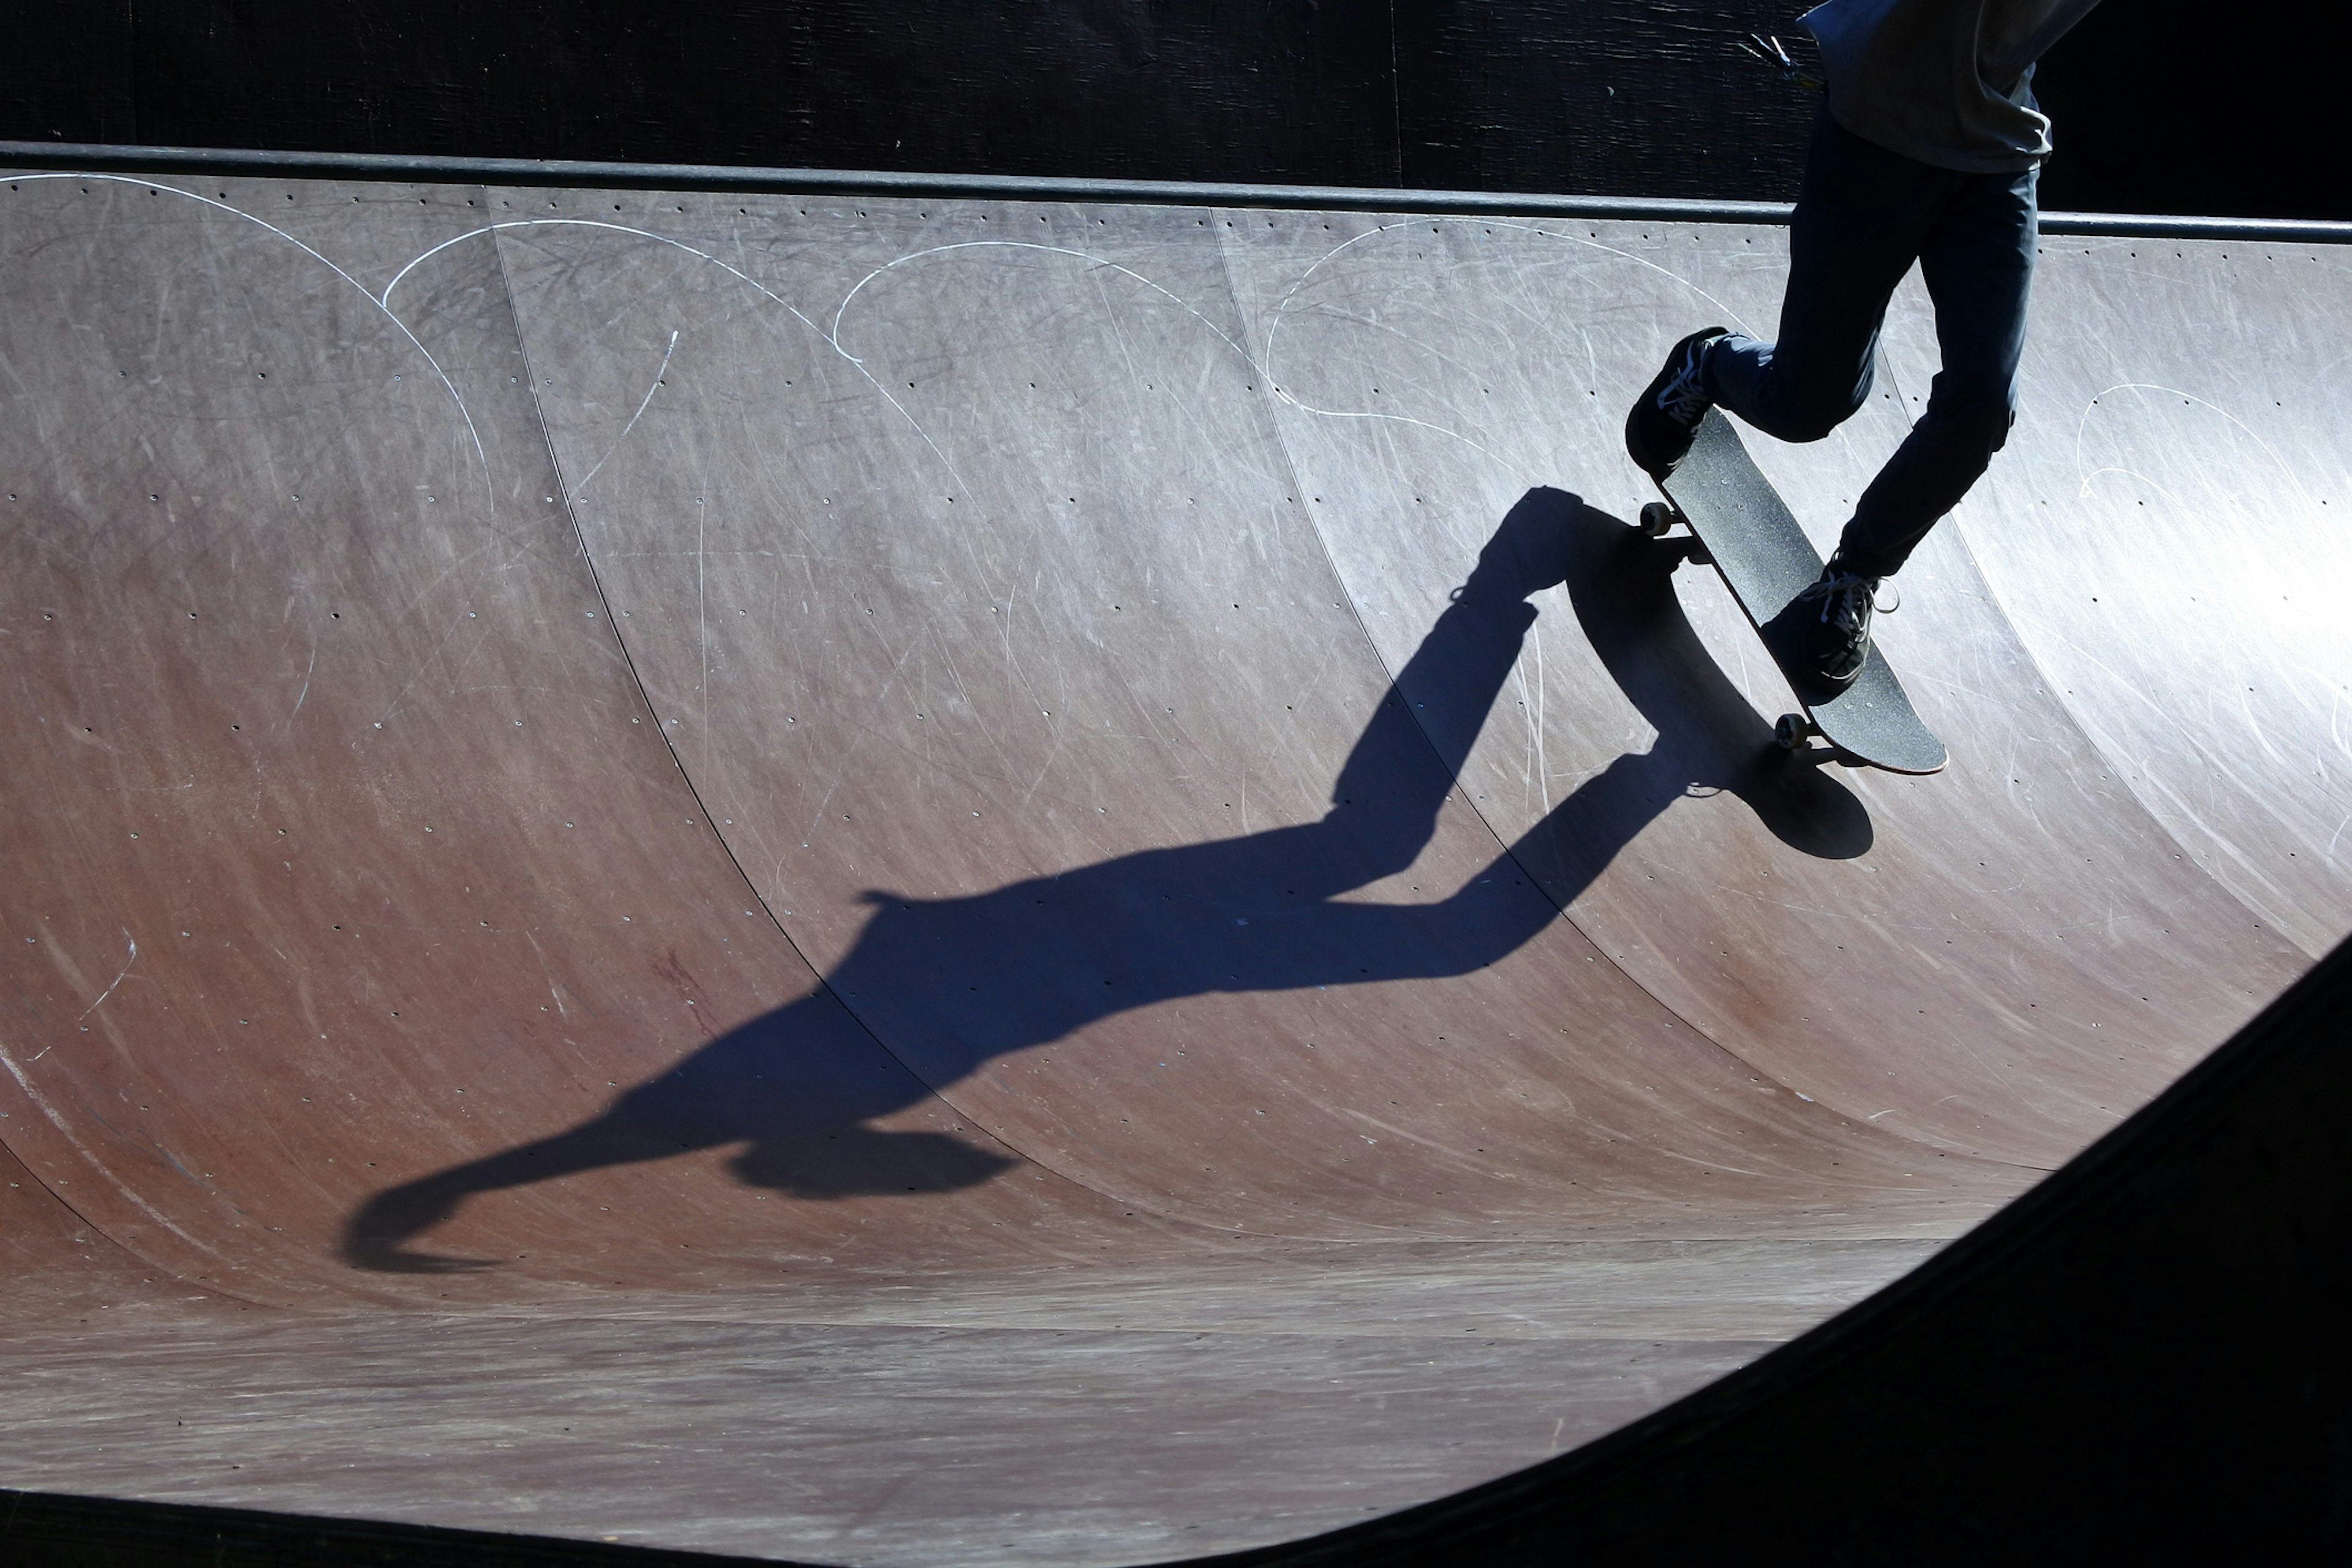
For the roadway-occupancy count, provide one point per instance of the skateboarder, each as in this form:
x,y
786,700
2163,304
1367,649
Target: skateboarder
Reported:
x,y
1926,150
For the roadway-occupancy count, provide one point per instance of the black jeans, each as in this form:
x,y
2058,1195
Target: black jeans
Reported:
x,y
1864,214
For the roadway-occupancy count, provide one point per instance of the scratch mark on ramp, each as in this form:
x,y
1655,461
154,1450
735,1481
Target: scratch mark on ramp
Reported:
x,y
102,996
305,692
480,453
580,489
46,1108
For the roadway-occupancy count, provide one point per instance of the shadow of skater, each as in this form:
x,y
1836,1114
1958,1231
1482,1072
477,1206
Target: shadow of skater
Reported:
x,y
948,983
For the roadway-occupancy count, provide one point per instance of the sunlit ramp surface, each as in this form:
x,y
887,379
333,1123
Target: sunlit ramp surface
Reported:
x,y
885,881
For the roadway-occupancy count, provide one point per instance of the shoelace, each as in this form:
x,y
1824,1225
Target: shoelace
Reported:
x,y
1843,599
1682,399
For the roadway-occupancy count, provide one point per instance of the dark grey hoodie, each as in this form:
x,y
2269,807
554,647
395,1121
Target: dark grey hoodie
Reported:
x,y
1949,82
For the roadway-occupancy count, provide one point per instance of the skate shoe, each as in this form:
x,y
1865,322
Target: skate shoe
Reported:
x,y
1658,430
1833,639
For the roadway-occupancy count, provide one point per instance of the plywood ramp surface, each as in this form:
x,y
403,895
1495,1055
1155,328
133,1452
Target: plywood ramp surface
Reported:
x,y
905,882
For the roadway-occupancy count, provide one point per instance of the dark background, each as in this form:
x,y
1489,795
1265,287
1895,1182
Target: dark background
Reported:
x,y
2161,107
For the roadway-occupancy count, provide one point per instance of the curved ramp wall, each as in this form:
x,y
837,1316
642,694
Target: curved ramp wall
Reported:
x,y
1057,868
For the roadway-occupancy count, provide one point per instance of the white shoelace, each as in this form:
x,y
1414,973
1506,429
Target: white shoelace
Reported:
x,y
1683,400
1844,599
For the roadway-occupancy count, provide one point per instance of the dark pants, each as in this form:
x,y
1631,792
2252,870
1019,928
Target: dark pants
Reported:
x,y
1864,214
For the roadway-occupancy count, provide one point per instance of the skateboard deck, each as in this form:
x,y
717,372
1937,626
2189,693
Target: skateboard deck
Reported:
x,y
1747,532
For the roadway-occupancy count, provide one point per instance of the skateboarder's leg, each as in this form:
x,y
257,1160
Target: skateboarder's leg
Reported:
x,y
1862,216
1979,269
1978,262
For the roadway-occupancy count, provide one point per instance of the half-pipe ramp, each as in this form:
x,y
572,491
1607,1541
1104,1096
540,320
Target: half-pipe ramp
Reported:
x,y
922,881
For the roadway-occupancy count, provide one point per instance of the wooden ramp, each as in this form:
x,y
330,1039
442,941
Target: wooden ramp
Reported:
x,y
938,882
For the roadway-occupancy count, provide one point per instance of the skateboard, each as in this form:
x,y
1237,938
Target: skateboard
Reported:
x,y
1739,524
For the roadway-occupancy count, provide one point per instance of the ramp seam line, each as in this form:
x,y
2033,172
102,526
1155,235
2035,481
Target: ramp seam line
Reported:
x,y
2058,693
1356,613
2091,743
40,1102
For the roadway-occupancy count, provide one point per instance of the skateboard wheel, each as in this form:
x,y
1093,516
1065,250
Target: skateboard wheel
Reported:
x,y
1792,731
1657,518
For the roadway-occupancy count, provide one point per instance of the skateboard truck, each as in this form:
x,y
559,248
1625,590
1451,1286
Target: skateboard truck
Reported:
x,y
1795,734
1659,519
